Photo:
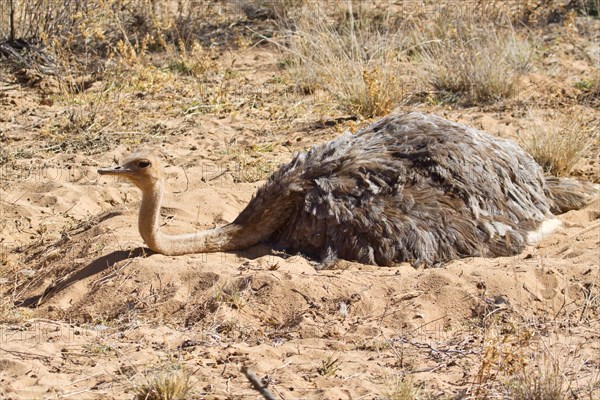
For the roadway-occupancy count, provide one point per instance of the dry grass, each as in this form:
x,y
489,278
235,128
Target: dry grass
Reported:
x,y
103,67
471,61
367,60
401,388
540,382
329,366
526,359
232,294
504,353
196,62
589,92
350,55
11,314
587,7
98,25
559,143
169,385
12,271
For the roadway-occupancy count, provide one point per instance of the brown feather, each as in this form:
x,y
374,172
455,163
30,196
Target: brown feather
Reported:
x,y
410,187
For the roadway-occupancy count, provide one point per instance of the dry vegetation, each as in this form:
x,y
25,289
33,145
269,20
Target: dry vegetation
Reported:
x,y
558,142
231,89
470,61
356,59
165,385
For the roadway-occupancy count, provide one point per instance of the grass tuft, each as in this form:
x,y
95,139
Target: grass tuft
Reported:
x,y
401,388
196,62
351,56
560,143
329,366
471,62
367,60
539,384
589,92
170,385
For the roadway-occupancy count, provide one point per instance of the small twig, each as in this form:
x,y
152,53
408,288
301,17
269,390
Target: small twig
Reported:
x,y
77,392
187,183
204,179
399,356
110,275
256,384
432,369
86,378
589,228
27,354
434,349
310,302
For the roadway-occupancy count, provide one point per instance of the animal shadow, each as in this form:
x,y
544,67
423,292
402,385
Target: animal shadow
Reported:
x,y
95,267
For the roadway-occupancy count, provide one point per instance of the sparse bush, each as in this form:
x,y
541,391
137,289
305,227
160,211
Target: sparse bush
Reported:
x,y
471,61
195,62
541,382
400,388
351,56
329,366
170,385
367,60
101,24
560,143
589,92
93,56
69,39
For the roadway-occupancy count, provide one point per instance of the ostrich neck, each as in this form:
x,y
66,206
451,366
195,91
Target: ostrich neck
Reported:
x,y
228,237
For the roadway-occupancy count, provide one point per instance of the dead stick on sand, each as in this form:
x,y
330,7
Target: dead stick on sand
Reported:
x,y
256,384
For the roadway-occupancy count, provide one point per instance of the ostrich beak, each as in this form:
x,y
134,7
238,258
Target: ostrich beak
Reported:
x,y
114,171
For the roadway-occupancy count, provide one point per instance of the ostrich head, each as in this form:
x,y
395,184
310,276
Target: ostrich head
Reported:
x,y
143,168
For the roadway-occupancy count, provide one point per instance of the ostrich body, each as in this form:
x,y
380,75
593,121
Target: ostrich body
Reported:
x,y
410,187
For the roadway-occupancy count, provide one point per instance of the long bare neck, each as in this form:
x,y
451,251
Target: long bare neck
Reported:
x,y
229,237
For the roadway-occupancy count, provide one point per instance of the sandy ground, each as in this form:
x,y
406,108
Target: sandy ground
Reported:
x,y
98,315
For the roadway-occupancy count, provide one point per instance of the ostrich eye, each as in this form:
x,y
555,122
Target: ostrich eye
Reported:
x,y
144,164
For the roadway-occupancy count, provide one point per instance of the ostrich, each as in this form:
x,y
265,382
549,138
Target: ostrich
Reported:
x,y
410,187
